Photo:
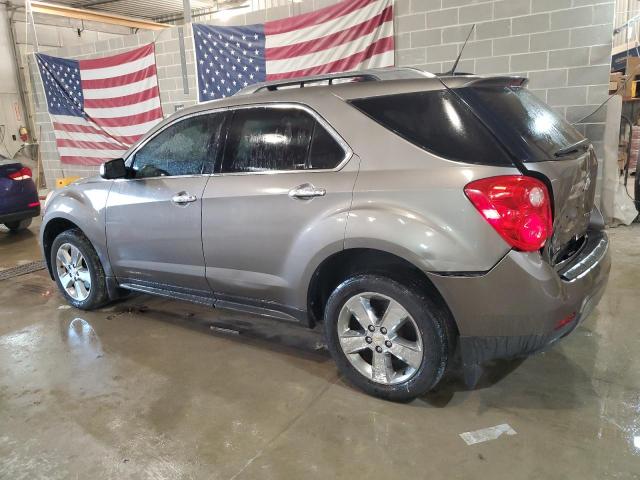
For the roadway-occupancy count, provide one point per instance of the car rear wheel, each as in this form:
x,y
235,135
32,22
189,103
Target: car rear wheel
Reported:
x,y
78,271
18,225
387,338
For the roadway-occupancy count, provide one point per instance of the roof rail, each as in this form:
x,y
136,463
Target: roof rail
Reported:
x,y
371,75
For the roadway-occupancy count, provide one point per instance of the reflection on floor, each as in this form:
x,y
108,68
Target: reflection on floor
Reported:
x,y
153,388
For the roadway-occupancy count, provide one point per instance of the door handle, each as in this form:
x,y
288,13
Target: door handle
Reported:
x,y
307,190
183,198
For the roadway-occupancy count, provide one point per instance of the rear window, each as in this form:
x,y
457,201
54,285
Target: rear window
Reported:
x,y
529,127
438,122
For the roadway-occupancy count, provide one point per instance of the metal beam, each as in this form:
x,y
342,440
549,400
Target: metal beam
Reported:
x,y
95,16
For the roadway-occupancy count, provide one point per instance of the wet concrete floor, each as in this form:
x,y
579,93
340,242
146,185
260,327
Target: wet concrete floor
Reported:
x,y
159,389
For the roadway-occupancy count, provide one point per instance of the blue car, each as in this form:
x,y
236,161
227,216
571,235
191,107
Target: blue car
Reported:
x,y
19,201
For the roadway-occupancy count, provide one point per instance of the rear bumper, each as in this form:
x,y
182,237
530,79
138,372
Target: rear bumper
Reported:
x,y
21,215
515,308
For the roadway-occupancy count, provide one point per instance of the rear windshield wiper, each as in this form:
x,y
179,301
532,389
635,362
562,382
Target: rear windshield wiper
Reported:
x,y
574,147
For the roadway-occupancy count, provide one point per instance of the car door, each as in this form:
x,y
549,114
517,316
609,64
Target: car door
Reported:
x,y
153,219
281,194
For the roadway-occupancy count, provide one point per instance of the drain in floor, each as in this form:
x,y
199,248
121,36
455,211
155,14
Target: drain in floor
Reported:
x,y
22,270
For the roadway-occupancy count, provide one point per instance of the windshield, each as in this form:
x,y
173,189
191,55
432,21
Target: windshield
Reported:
x,y
532,130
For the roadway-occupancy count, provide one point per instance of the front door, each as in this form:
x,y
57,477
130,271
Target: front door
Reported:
x,y
153,220
277,199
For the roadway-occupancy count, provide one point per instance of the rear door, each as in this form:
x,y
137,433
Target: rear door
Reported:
x,y
281,194
154,219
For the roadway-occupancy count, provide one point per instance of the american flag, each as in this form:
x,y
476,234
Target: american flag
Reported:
x,y
102,106
351,35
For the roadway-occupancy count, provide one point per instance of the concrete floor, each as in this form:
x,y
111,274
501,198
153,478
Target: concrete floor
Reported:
x,y
155,389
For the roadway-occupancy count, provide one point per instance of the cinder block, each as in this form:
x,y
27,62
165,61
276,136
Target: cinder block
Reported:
x,y
594,35
511,8
130,41
516,44
549,5
425,5
597,94
529,61
600,55
578,112
411,23
594,131
596,75
541,94
116,42
425,38
494,29
550,40
548,79
531,23
457,34
400,7
492,65
441,53
567,96
413,56
573,17
403,41
442,18
478,49
476,13
571,57
603,13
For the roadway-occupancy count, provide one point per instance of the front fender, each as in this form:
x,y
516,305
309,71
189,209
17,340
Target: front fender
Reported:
x,y
84,205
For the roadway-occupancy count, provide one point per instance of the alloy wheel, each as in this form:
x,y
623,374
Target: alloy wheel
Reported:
x,y
73,272
380,338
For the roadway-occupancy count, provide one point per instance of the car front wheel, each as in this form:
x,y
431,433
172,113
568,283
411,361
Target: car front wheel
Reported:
x,y
78,271
387,338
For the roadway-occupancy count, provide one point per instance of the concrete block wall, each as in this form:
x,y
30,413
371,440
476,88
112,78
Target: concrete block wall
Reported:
x,y
563,46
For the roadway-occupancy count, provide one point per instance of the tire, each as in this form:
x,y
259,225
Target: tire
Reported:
x,y
18,225
88,268
425,319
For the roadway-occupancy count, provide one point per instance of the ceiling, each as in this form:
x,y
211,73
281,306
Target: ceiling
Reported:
x,y
151,9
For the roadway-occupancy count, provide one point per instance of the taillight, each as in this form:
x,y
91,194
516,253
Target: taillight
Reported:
x,y
23,174
518,207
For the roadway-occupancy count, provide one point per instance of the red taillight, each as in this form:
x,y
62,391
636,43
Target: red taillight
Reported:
x,y
23,174
518,207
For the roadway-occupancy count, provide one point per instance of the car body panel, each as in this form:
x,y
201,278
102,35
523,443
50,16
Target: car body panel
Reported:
x,y
82,203
152,240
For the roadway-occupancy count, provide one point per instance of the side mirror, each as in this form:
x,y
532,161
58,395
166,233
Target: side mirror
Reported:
x,y
113,169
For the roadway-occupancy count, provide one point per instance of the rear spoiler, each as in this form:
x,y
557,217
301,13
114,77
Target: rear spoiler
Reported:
x,y
498,82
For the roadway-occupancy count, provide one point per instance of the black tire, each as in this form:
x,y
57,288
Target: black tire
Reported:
x,y
98,295
18,225
430,319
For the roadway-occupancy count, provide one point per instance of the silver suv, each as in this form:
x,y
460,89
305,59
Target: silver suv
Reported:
x,y
410,216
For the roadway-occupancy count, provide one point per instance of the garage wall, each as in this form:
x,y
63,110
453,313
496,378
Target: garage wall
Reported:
x,y
563,46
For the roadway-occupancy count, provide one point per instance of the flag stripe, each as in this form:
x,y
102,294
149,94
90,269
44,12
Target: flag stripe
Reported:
x,y
125,111
128,131
131,120
114,92
344,64
79,160
328,56
120,80
118,70
330,26
122,100
115,60
314,18
62,142
89,152
332,40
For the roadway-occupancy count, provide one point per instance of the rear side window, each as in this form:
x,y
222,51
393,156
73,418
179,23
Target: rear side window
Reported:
x,y
278,139
535,129
438,122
